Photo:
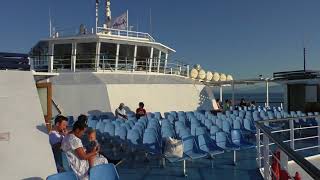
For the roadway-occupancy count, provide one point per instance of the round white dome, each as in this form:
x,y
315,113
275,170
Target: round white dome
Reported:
x,y
194,73
197,67
229,78
216,77
223,77
209,76
202,74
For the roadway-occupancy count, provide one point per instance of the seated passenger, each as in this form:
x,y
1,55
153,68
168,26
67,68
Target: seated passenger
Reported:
x,y
77,157
55,138
140,112
93,143
121,112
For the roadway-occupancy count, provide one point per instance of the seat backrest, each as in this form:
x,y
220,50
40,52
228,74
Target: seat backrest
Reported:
x,y
121,132
219,123
236,124
202,143
247,124
236,136
110,129
189,145
63,176
133,136
226,126
213,130
104,172
221,139
65,162
200,131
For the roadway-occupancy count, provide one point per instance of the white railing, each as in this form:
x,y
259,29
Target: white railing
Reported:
x,y
124,33
289,142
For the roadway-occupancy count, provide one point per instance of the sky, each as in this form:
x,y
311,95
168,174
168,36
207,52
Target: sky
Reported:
x,y
244,38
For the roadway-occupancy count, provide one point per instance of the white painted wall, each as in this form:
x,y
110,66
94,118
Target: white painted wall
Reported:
x,y
27,153
157,97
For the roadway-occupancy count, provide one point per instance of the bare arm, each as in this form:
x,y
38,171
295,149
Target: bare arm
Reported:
x,y
83,155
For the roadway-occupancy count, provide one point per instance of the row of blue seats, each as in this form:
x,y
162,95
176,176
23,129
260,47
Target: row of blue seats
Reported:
x,y
99,172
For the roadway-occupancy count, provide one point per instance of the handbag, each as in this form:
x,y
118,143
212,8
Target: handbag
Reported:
x,y
173,148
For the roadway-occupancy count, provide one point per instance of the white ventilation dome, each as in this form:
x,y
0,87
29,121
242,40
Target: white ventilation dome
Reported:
x,y
216,77
223,77
229,78
197,67
209,76
202,74
194,73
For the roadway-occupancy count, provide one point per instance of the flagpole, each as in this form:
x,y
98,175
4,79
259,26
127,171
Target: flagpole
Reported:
x,y
127,22
97,15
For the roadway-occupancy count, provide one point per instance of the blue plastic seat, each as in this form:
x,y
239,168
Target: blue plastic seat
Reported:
x,y
238,140
70,121
92,123
104,172
63,176
219,123
226,126
191,149
109,130
223,142
121,133
213,131
65,162
200,131
248,126
151,143
208,145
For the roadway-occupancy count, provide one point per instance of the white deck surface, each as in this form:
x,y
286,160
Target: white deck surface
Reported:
x,y
25,152
293,167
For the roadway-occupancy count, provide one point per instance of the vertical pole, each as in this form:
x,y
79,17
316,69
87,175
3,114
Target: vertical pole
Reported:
x,y
117,57
127,22
304,59
188,71
98,46
51,57
159,58
165,63
266,162
234,157
267,89
233,101
221,96
291,125
97,15
150,62
258,147
74,57
134,58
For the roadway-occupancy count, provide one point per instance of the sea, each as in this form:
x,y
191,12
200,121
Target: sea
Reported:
x,y
275,99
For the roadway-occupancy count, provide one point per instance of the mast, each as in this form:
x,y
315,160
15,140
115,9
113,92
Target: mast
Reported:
x,y
108,13
304,59
97,15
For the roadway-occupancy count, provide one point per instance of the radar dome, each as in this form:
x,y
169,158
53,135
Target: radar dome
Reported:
x,y
229,78
223,77
209,76
216,77
194,73
202,74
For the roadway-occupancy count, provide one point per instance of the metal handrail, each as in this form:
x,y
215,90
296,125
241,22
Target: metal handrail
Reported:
x,y
313,171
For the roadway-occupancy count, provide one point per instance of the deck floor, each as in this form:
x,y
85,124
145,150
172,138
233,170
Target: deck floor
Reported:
x,y
223,168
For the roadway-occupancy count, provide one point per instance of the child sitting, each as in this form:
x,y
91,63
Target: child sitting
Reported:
x,y
93,144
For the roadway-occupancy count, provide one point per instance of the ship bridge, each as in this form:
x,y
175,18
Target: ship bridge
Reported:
x,y
104,50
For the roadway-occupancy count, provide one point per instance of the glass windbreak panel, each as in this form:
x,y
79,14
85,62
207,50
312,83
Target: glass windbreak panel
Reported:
x,y
40,56
86,56
108,53
62,57
43,96
155,59
143,57
126,54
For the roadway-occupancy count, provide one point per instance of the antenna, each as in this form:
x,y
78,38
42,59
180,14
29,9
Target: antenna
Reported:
x,y
108,14
150,21
97,15
50,23
304,59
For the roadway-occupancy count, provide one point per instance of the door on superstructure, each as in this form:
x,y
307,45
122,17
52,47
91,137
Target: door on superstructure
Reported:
x,y
45,96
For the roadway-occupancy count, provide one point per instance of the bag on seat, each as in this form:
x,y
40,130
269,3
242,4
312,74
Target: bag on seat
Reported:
x,y
173,148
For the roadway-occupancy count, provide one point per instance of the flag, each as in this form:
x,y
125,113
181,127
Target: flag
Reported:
x,y
97,1
121,22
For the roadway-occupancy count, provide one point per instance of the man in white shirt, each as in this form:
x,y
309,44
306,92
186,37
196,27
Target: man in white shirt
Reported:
x,y
56,136
121,112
